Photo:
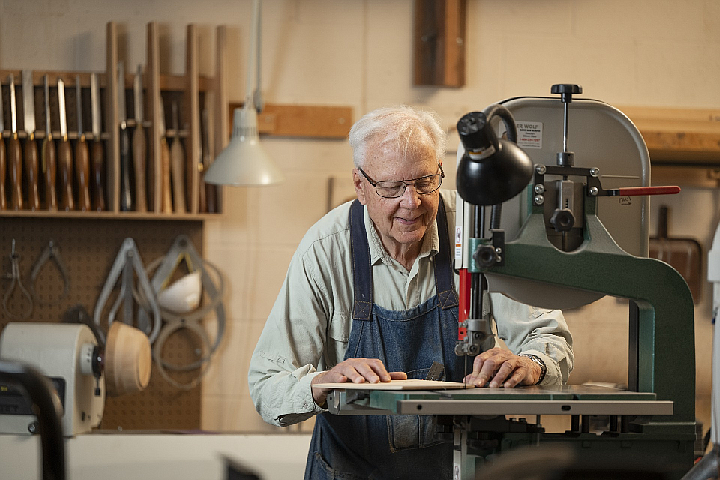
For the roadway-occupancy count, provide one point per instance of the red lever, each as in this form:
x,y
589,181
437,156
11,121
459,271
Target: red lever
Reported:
x,y
638,191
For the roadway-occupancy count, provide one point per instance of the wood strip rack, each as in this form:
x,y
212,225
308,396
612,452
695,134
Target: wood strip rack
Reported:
x,y
190,92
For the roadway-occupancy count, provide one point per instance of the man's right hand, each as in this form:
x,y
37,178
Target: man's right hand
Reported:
x,y
356,370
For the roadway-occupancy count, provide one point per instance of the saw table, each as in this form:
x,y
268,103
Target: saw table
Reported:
x,y
534,400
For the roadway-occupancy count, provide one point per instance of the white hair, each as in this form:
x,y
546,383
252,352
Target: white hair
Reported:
x,y
400,129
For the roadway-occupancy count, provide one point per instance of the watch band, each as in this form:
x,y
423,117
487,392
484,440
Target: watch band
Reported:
x,y
538,360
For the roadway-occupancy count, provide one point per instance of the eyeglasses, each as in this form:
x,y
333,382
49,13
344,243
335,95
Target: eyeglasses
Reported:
x,y
396,188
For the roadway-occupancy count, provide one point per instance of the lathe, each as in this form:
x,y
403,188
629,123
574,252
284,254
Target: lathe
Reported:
x,y
573,229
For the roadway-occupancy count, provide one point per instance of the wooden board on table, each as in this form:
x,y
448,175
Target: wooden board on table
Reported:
x,y
410,384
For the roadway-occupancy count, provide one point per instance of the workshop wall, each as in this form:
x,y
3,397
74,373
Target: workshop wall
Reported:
x,y
358,53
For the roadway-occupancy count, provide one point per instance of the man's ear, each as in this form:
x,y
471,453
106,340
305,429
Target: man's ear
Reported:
x,y
358,182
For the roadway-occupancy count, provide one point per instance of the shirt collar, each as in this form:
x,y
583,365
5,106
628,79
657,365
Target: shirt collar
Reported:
x,y
378,253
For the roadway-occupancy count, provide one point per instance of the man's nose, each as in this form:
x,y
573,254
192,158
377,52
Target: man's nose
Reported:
x,y
410,197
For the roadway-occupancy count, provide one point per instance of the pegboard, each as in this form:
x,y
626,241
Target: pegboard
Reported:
x,y
88,248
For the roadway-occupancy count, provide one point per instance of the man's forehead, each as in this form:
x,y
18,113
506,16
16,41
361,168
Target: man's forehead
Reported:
x,y
415,153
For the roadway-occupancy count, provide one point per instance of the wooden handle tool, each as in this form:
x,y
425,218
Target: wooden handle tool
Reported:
x,y
166,190
177,164
64,155
166,193
31,153
82,161
126,199
139,145
3,160
98,155
49,160
14,154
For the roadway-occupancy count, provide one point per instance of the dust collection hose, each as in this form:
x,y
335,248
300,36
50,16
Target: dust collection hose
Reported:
x,y
48,410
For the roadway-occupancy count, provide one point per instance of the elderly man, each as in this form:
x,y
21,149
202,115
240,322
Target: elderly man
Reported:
x,y
370,296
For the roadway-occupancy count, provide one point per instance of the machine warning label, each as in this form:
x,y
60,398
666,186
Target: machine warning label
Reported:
x,y
458,242
529,134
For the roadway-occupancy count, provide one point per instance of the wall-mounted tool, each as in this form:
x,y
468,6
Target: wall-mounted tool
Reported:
x,y
3,159
48,158
50,253
184,312
126,198
97,160
139,144
177,162
31,153
127,264
67,202
166,205
14,153
16,282
82,162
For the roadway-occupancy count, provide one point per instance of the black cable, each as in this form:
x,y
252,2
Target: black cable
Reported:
x,y
47,409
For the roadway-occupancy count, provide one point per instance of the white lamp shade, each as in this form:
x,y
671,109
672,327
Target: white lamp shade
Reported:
x,y
244,162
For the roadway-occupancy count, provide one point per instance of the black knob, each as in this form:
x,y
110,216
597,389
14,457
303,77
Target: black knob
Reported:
x,y
566,91
485,256
562,220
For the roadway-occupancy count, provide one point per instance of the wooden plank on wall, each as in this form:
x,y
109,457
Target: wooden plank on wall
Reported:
x,y
439,43
317,121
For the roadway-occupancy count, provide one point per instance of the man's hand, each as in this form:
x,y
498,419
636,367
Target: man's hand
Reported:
x,y
356,370
500,367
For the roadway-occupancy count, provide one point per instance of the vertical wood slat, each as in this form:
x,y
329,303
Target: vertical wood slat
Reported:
x,y
221,101
439,43
192,101
112,165
154,112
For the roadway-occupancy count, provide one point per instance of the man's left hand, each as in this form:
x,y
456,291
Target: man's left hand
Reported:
x,y
501,368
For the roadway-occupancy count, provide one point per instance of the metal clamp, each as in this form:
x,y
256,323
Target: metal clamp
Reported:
x,y
51,252
127,261
163,268
14,276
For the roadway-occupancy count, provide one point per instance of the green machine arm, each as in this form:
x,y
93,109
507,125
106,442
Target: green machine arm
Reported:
x,y
665,321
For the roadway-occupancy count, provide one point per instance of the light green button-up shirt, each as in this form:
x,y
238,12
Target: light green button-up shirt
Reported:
x,y
309,325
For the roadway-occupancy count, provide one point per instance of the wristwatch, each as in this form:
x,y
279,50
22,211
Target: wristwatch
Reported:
x,y
538,360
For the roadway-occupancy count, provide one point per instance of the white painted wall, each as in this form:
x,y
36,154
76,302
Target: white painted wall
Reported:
x,y
358,53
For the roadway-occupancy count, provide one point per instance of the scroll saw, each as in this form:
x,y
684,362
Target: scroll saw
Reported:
x,y
566,228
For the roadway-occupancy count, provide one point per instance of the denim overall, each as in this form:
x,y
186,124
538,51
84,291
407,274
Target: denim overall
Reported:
x,y
394,446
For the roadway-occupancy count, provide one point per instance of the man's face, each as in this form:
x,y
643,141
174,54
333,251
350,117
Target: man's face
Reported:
x,y
401,222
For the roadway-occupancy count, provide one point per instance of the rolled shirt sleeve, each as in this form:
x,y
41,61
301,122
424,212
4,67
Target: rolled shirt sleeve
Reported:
x,y
537,331
298,340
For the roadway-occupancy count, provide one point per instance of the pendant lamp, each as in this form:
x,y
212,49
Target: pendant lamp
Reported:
x,y
244,162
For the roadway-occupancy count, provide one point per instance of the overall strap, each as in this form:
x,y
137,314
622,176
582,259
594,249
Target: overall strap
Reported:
x,y
447,297
362,273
